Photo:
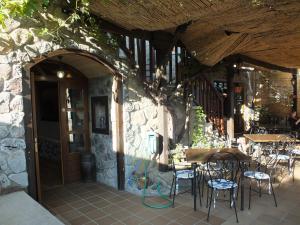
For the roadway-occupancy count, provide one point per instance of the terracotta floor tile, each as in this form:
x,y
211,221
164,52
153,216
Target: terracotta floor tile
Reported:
x,y
87,208
120,214
79,204
94,203
214,220
188,220
62,209
147,214
132,220
93,199
160,220
116,199
111,208
101,204
198,214
70,215
107,220
95,214
80,220
173,215
125,204
91,223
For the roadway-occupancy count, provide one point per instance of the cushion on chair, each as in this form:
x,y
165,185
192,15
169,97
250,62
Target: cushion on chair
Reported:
x,y
185,174
296,151
279,156
256,175
222,184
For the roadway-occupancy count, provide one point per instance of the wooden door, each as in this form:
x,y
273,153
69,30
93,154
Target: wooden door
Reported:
x,y
74,125
238,103
35,138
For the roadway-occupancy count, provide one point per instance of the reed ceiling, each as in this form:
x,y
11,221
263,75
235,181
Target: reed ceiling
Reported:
x,y
267,30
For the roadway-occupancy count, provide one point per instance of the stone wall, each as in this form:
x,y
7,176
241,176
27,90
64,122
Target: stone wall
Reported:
x,y
142,116
102,144
21,44
12,145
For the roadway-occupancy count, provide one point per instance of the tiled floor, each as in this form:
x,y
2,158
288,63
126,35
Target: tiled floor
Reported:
x,y
97,204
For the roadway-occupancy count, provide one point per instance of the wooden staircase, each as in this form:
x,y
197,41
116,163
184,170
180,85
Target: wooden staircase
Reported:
x,y
205,95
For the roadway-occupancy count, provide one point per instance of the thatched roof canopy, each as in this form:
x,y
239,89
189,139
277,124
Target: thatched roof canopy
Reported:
x,y
267,30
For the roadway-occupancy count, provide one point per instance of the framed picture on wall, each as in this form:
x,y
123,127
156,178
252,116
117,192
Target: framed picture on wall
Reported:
x,y
100,122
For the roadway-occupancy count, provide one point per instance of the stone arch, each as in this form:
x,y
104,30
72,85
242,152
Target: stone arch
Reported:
x,y
110,64
84,53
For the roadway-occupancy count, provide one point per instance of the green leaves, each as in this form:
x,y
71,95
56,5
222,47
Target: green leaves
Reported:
x,y
19,8
198,135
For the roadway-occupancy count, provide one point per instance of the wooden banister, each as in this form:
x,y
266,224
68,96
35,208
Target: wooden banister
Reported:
x,y
205,95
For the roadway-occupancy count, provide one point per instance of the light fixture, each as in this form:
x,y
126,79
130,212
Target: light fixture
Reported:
x,y
293,80
60,73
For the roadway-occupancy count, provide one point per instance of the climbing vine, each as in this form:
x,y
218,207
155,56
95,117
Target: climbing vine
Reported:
x,y
198,132
74,16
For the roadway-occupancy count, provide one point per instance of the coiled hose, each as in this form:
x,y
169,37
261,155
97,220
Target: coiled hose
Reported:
x,y
161,195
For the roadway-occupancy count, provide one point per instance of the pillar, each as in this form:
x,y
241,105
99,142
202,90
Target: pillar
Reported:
x,y
230,102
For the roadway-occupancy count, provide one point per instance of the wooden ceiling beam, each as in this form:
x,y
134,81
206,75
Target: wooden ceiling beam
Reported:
x,y
243,58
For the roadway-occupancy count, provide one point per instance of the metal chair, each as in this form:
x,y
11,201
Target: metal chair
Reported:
x,y
183,174
259,176
224,178
281,155
294,153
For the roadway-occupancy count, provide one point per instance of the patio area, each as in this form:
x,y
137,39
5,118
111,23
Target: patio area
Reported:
x,y
92,203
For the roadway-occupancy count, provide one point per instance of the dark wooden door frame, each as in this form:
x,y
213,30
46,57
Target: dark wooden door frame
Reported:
x,y
28,118
119,131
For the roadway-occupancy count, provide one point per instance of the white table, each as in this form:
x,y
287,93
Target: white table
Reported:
x,y
19,208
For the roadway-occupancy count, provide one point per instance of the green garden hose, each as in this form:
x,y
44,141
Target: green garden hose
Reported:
x,y
165,197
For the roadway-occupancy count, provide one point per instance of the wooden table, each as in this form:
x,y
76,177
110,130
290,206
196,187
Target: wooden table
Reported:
x,y
201,155
267,138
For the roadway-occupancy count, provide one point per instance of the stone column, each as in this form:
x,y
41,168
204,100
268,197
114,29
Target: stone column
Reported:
x,y
230,102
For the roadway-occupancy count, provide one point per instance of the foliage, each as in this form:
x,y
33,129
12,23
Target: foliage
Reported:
x,y
198,132
20,8
177,154
75,17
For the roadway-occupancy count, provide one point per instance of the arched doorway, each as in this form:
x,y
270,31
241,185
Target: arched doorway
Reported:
x,y
70,112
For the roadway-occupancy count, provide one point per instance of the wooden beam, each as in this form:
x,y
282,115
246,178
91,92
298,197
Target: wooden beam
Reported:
x,y
163,50
165,43
243,58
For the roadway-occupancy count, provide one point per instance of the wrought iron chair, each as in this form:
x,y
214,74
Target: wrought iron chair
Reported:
x,y
294,153
260,176
184,172
295,156
280,156
223,179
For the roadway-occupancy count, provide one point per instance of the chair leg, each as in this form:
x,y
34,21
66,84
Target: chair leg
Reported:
x,y
234,205
230,198
259,184
174,193
192,183
238,188
273,194
211,194
293,168
199,191
207,193
249,195
203,180
171,187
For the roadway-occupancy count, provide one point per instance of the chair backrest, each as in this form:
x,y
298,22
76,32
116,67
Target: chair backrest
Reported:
x,y
223,165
